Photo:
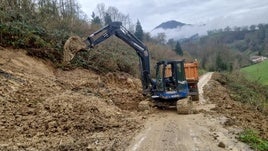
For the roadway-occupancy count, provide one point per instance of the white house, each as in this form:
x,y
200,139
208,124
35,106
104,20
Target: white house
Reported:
x,y
257,59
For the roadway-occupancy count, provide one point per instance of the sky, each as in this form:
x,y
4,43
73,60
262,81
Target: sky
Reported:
x,y
215,13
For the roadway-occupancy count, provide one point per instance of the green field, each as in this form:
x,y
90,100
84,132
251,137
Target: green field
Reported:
x,y
257,72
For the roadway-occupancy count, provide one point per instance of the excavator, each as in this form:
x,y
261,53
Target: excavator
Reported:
x,y
170,87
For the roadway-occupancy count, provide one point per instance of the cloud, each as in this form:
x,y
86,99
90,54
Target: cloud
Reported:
x,y
153,12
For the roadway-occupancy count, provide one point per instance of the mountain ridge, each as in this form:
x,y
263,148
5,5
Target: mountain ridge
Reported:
x,y
171,24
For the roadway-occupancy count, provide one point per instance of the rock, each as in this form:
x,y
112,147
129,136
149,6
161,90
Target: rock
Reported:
x,y
3,146
110,102
89,148
229,122
228,106
221,144
130,82
144,105
215,136
184,106
52,124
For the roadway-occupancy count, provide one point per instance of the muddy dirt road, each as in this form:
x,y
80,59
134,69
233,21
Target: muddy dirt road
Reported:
x,y
166,130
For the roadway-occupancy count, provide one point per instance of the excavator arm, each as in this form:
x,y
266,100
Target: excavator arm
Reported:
x,y
116,28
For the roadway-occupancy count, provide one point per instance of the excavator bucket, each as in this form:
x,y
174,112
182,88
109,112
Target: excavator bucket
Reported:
x,y
73,45
185,106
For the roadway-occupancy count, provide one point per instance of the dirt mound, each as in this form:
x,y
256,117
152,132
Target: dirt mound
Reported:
x,y
237,113
126,92
71,47
43,108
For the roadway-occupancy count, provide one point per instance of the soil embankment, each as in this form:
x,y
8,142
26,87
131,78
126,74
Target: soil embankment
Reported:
x,y
45,108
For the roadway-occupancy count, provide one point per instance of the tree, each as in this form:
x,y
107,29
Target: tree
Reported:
x,y
139,32
261,33
95,19
220,64
147,37
107,19
227,29
101,11
178,49
171,42
245,28
252,27
161,38
237,28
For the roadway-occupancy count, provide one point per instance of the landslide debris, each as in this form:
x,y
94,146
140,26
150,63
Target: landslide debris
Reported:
x,y
240,114
44,108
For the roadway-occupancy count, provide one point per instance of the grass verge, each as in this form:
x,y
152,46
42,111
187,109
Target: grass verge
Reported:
x,y
246,91
252,138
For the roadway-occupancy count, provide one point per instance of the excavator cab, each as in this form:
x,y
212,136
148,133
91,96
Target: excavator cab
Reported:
x,y
170,81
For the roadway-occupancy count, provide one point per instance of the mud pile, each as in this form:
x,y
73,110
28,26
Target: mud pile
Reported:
x,y
43,108
239,114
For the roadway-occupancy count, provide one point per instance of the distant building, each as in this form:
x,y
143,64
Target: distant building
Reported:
x,y
257,59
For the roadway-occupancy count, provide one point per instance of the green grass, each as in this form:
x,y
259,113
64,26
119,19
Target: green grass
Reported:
x,y
257,72
252,138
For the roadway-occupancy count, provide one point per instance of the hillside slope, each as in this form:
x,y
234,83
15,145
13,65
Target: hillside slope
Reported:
x,y
44,108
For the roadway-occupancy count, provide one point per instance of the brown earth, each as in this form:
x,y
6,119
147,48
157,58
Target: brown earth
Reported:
x,y
44,108
238,114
